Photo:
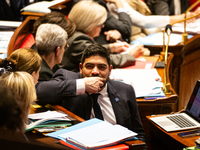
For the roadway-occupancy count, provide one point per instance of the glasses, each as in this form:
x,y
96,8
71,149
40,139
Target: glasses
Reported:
x,y
101,25
66,46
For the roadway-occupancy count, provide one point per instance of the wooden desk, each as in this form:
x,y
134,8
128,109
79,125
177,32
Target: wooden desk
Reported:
x,y
175,64
184,68
162,140
40,139
164,105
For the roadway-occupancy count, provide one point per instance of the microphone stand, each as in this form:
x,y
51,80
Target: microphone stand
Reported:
x,y
164,53
166,87
184,35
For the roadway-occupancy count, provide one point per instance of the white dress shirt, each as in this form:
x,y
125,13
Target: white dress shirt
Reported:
x,y
106,107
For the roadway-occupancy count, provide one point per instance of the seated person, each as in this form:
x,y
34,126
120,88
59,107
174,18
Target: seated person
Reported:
x,y
12,121
168,7
114,29
141,20
88,20
51,42
11,9
25,59
22,84
55,18
117,100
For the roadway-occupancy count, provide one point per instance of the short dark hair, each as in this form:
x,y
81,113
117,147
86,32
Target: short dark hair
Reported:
x,y
58,18
95,49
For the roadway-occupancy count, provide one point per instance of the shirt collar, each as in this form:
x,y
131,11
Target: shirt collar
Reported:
x,y
104,91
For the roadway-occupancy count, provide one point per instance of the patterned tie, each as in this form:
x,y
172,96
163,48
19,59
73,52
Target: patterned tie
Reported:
x,y
96,107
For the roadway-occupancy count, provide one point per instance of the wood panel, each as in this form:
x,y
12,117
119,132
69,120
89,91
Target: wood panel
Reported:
x,y
189,70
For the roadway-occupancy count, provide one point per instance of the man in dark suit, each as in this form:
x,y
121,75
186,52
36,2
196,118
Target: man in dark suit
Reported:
x,y
117,100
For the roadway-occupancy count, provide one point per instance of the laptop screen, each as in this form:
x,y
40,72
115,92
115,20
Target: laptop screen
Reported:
x,y
193,107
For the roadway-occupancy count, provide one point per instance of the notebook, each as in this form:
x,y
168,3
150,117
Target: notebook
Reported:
x,y
188,119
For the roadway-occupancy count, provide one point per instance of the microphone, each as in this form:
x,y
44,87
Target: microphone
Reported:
x,y
184,35
166,88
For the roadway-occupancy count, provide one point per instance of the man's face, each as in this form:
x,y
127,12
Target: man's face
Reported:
x,y
95,66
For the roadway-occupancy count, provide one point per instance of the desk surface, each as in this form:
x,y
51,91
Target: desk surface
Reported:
x,y
40,139
169,139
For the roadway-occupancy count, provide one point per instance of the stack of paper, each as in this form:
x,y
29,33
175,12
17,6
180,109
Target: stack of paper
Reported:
x,y
93,133
47,119
146,82
5,37
157,39
191,28
41,7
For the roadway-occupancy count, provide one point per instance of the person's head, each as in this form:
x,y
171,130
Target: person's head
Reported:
x,y
11,116
95,61
89,17
58,18
51,39
23,86
27,60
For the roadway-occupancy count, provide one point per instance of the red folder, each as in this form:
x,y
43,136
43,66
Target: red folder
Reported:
x,y
140,65
115,147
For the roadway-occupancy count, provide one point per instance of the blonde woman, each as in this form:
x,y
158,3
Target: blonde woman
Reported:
x,y
89,22
21,83
23,59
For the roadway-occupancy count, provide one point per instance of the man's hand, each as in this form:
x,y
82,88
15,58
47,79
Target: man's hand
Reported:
x,y
119,47
93,84
118,3
112,35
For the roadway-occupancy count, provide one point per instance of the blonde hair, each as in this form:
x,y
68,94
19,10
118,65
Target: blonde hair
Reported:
x,y
23,86
26,60
87,14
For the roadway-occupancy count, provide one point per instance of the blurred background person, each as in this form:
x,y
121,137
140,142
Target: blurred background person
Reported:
x,y
12,121
89,22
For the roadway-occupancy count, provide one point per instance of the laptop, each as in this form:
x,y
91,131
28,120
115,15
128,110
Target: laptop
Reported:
x,y
188,119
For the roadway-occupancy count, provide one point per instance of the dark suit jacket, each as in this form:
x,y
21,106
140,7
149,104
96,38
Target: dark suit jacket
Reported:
x,y
122,24
126,109
78,42
165,7
46,73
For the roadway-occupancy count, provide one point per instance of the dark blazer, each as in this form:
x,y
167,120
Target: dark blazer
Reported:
x,y
78,42
126,109
46,73
62,85
166,7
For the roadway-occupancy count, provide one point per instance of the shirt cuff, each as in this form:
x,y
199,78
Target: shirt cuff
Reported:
x,y
119,10
80,86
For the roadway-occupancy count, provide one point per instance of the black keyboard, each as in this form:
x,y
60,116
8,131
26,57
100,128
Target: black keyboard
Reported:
x,y
181,121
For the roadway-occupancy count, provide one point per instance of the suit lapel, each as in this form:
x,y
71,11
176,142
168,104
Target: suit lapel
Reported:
x,y
116,103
